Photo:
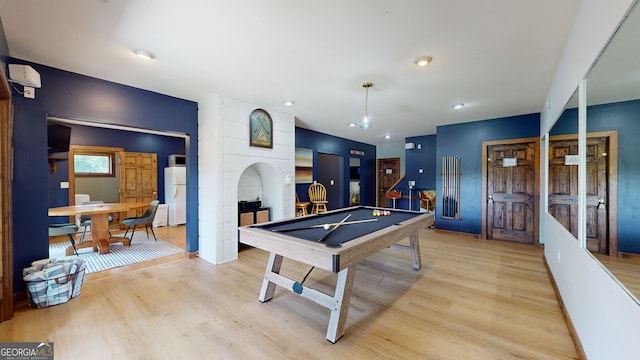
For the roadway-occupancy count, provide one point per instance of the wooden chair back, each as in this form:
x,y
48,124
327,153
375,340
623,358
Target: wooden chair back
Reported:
x,y
317,192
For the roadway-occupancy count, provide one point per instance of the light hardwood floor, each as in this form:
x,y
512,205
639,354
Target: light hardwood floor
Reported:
x,y
627,271
472,299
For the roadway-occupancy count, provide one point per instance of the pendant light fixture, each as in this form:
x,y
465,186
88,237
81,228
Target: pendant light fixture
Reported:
x,y
366,121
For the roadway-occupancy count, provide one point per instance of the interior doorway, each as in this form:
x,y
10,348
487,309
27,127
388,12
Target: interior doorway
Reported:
x,y
354,181
510,189
331,175
388,176
149,178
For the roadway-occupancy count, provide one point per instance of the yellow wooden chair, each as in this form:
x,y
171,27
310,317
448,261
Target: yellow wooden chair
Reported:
x,y
301,207
318,198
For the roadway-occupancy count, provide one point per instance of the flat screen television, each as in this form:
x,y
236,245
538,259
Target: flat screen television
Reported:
x,y
58,137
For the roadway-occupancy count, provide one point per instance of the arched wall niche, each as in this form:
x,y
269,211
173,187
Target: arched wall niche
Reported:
x,y
262,181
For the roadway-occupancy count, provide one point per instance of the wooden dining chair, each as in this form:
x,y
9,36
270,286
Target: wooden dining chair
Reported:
x,y
394,195
318,198
301,207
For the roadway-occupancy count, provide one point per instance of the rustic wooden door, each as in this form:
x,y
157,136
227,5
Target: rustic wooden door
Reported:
x,y
511,192
138,179
563,189
388,175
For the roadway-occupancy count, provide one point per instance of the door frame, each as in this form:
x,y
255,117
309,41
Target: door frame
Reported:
x,y
7,299
379,193
536,186
612,183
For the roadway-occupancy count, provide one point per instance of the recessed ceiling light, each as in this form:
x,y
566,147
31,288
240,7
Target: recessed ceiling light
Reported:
x,y
457,106
387,136
288,103
352,124
423,60
144,54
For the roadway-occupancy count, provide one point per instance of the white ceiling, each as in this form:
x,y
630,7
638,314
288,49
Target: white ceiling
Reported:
x,y
498,57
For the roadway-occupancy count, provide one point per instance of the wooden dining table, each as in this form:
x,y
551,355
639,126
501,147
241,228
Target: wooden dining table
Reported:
x,y
99,213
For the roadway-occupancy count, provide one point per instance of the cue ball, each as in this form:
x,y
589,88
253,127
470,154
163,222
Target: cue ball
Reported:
x,y
326,226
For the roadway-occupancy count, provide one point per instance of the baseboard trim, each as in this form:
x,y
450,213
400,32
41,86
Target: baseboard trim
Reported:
x,y
629,255
567,319
458,233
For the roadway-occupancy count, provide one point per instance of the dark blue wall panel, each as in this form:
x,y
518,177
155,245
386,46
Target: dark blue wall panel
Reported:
x,y
465,140
73,96
323,143
416,159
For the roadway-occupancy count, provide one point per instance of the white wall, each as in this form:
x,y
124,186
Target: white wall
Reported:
x,y
250,185
606,318
224,155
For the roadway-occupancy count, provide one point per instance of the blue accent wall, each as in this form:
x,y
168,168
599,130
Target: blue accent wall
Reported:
x,y
73,96
623,117
416,159
465,140
328,144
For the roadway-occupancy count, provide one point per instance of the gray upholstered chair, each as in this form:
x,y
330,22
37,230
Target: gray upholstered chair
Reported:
x,y
64,229
146,219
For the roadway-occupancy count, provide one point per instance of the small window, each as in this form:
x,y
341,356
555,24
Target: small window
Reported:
x,y
93,164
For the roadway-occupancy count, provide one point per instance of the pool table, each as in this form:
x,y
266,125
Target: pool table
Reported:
x,y
334,241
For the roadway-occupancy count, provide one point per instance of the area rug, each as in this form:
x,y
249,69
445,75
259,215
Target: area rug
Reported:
x,y
141,249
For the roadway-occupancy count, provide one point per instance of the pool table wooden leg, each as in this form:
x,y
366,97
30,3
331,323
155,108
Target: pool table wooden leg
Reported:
x,y
342,298
415,251
413,248
268,287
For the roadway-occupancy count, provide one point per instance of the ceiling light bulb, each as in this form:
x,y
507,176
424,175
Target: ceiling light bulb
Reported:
x,y
144,54
288,103
352,125
457,106
365,124
423,60
387,136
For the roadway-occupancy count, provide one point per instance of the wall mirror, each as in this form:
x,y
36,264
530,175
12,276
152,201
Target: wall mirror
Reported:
x,y
613,112
563,167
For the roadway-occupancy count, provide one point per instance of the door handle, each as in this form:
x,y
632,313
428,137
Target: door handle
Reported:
x,y
602,205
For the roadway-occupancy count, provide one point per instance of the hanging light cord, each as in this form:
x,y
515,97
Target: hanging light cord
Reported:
x,y
366,86
366,102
